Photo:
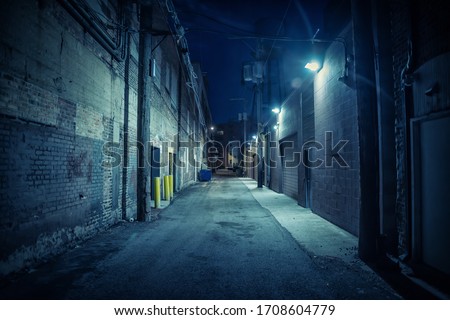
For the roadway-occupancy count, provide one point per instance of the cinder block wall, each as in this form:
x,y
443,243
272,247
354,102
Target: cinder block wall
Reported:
x,y
62,97
335,190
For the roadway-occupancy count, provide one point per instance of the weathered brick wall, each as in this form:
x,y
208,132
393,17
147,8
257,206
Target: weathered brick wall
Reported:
x,y
175,120
423,23
61,98
400,35
164,109
336,190
164,106
430,19
187,136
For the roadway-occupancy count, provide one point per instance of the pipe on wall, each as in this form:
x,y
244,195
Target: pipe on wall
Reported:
x,y
78,9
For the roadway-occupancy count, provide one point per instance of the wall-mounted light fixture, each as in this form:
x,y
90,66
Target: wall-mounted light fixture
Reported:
x,y
275,127
316,64
276,110
313,66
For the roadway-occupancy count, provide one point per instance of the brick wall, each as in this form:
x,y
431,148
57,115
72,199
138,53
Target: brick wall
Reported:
x,y
422,22
335,190
62,98
175,119
400,35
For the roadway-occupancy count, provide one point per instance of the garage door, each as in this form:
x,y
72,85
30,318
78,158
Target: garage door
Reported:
x,y
290,169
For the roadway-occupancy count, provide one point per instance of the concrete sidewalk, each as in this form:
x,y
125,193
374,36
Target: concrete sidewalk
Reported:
x,y
320,238
317,236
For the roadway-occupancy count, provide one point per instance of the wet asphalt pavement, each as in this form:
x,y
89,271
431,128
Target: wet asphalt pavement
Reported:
x,y
214,242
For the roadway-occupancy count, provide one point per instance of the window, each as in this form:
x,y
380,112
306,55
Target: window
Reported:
x,y
174,86
157,65
171,83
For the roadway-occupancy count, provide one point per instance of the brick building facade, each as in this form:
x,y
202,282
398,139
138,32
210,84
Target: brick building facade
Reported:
x,y
69,117
420,51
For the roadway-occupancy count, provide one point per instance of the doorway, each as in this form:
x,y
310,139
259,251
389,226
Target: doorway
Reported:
x,y
430,146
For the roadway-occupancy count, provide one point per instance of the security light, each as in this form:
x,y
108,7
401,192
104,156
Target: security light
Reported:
x,y
313,66
276,110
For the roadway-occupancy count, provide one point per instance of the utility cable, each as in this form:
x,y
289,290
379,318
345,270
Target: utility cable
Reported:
x,y
278,32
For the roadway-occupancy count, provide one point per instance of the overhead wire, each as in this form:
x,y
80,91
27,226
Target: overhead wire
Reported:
x,y
217,21
278,32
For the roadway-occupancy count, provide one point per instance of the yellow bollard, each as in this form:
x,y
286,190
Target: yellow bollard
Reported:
x,y
166,188
171,186
157,191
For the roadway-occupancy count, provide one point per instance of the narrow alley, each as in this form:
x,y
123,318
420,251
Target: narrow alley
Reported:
x,y
214,242
192,149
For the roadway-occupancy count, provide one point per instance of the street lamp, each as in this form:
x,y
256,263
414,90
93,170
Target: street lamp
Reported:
x,y
276,110
313,66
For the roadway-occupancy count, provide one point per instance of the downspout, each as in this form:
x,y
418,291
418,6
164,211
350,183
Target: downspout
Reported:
x,y
176,161
126,108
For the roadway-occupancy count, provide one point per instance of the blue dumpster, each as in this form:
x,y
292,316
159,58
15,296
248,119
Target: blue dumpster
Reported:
x,y
205,175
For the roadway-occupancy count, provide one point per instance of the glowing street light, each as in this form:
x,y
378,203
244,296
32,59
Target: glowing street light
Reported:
x,y
276,110
313,66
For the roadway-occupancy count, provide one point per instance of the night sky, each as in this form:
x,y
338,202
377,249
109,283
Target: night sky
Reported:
x,y
211,26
